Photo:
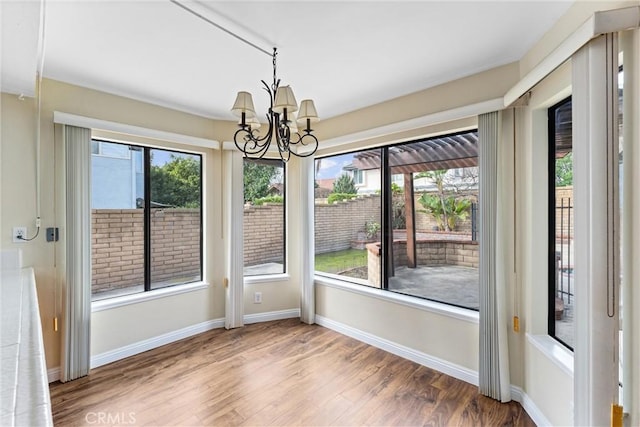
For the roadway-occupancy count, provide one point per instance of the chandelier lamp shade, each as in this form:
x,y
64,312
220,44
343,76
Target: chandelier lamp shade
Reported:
x,y
281,119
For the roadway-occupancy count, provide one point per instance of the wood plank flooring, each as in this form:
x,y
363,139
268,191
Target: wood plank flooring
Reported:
x,y
275,373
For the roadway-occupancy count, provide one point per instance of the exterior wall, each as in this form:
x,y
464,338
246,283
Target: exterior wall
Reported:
x,y
117,247
428,253
336,225
439,252
263,234
113,183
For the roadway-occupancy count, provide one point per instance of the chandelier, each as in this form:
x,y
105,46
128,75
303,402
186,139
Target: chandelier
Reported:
x,y
282,120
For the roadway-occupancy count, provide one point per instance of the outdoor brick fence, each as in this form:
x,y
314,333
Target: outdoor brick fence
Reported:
x,y
263,234
428,253
337,224
117,247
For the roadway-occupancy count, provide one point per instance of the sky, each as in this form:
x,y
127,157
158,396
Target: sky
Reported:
x,y
331,167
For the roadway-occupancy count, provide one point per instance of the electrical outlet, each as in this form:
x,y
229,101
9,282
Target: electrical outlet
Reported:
x,y
19,234
257,297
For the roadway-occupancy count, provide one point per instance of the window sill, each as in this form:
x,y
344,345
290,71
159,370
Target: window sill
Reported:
x,y
556,352
409,301
116,302
267,278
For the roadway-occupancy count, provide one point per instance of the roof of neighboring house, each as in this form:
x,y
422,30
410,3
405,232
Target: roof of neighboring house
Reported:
x,y
276,188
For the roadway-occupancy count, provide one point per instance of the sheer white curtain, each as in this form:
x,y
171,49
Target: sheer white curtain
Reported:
x,y
307,294
77,297
234,235
494,379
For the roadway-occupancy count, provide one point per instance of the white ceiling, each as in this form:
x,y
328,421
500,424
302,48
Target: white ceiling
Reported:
x,y
345,55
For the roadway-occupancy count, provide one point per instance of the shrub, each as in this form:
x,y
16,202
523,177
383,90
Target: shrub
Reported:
x,y
338,197
268,199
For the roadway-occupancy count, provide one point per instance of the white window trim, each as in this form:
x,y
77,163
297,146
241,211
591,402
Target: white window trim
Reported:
x,y
442,309
94,124
121,301
560,355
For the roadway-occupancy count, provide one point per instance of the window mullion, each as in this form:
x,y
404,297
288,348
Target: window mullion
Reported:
x,y
147,219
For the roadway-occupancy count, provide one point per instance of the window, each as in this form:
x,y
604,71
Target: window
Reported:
x,y
139,242
561,283
348,224
264,217
358,177
413,231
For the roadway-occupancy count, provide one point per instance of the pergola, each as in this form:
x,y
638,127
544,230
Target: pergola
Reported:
x,y
446,152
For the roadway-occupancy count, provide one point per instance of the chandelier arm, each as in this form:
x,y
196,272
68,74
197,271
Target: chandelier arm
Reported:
x,y
301,141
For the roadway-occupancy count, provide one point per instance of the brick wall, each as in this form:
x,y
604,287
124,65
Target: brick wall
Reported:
x,y
439,252
263,234
429,253
336,225
117,247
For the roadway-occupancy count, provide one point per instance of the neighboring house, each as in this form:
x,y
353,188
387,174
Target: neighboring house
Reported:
x,y
116,174
367,181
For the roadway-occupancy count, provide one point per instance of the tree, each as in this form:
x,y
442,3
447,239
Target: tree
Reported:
x,y
344,185
564,170
445,206
177,182
257,178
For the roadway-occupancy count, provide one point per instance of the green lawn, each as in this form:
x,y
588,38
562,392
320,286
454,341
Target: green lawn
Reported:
x,y
335,262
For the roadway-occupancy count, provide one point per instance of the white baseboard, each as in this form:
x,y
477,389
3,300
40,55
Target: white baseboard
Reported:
x,y
272,315
529,406
432,362
53,374
424,359
160,340
151,343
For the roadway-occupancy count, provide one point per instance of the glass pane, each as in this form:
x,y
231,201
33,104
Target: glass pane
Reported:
x,y
348,216
117,224
562,304
176,228
264,217
435,251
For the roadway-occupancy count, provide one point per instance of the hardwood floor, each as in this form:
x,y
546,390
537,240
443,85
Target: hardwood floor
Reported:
x,y
275,373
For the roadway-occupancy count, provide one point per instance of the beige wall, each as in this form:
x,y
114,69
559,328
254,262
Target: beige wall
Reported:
x,y
450,339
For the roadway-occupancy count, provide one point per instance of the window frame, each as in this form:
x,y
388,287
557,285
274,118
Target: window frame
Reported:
x,y
268,277
147,264
386,181
551,228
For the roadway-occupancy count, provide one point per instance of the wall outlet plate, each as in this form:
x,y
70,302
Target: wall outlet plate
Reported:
x,y
19,234
257,298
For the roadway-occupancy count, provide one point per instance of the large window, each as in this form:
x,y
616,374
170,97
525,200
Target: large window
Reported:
x,y
146,219
348,218
561,283
412,228
264,217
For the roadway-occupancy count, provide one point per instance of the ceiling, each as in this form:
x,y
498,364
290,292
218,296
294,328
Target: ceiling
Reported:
x,y
345,55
